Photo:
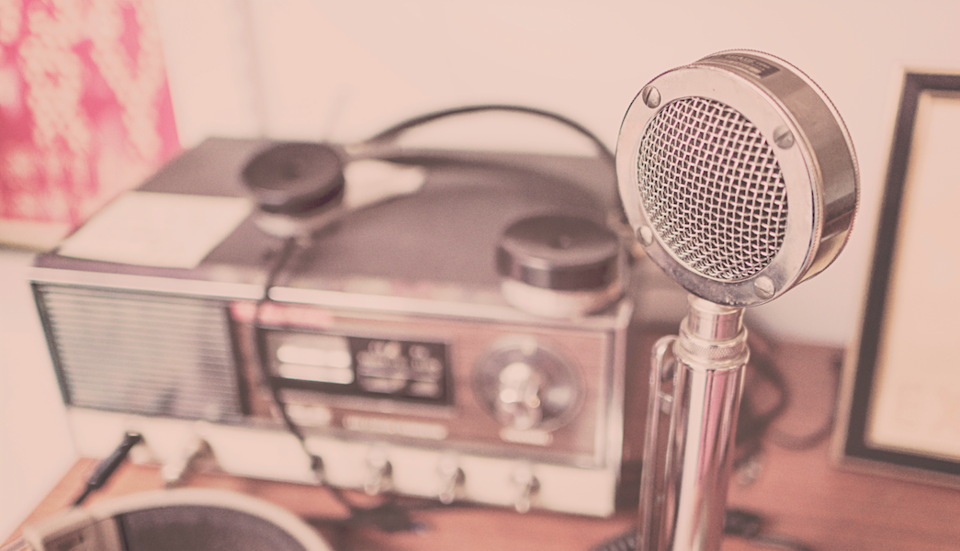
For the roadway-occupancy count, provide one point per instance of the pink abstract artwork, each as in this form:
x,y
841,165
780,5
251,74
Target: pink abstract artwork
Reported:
x,y
85,111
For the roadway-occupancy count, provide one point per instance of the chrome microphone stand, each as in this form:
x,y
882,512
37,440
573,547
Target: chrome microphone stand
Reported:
x,y
696,383
739,180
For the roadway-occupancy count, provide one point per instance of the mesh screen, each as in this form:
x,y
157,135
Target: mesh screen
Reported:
x,y
141,353
712,188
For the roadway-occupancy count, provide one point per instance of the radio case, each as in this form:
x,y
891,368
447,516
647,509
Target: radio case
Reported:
x,y
384,340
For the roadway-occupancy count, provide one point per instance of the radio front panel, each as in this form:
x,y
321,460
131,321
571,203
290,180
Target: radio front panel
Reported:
x,y
397,377
178,368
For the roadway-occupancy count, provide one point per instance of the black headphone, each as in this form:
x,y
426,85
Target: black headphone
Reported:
x,y
300,187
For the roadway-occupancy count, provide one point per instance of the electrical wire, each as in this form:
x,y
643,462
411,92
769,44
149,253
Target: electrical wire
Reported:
x,y
755,426
801,442
382,145
754,421
390,515
392,133
280,261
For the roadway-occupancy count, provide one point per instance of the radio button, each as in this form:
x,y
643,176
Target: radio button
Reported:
x,y
316,373
519,396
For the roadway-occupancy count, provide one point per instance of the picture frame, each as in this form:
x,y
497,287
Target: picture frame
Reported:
x,y
899,408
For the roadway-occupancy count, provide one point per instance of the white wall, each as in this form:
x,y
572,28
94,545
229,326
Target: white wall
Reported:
x,y
35,446
316,69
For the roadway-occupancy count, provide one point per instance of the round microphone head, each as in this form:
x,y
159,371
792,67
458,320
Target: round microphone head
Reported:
x,y
738,176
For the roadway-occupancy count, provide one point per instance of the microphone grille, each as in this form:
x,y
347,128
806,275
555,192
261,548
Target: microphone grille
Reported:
x,y
712,188
737,176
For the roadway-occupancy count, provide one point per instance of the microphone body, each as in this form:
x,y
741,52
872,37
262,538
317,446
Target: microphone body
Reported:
x,y
740,181
695,387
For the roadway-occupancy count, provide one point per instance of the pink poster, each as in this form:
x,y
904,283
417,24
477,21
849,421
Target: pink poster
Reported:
x,y
85,111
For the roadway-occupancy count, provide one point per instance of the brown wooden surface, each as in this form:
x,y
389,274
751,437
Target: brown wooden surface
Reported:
x,y
800,493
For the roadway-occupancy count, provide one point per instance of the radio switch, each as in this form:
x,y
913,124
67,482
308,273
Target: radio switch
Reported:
x,y
188,460
380,472
452,479
527,486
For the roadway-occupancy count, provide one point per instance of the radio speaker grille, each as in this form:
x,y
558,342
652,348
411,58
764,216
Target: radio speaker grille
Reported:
x,y
142,353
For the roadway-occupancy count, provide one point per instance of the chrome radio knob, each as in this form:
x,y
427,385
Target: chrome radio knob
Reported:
x,y
526,486
379,472
451,478
526,385
518,396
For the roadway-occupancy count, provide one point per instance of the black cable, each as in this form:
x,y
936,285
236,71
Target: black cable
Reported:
x,y
279,263
754,427
753,423
391,133
389,516
801,442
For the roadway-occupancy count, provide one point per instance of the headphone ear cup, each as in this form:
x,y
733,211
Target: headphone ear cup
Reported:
x,y
295,178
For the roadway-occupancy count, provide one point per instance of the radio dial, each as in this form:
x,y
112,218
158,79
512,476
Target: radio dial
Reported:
x,y
527,386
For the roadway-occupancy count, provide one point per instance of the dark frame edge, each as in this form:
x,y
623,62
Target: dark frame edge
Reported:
x,y
850,446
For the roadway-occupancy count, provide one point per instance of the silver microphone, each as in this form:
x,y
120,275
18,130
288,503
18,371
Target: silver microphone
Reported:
x,y
739,179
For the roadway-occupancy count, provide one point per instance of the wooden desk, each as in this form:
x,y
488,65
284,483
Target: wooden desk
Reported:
x,y
801,494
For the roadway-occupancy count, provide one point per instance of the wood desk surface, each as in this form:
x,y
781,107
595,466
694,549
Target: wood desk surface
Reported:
x,y
801,495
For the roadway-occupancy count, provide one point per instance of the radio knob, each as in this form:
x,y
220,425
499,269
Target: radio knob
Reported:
x,y
525,385
518,398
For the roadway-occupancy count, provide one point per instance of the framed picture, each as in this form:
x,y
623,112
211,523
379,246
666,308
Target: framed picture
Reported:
x,y
900,403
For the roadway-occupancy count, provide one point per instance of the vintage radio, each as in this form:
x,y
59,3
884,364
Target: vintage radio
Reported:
x,y
472,336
